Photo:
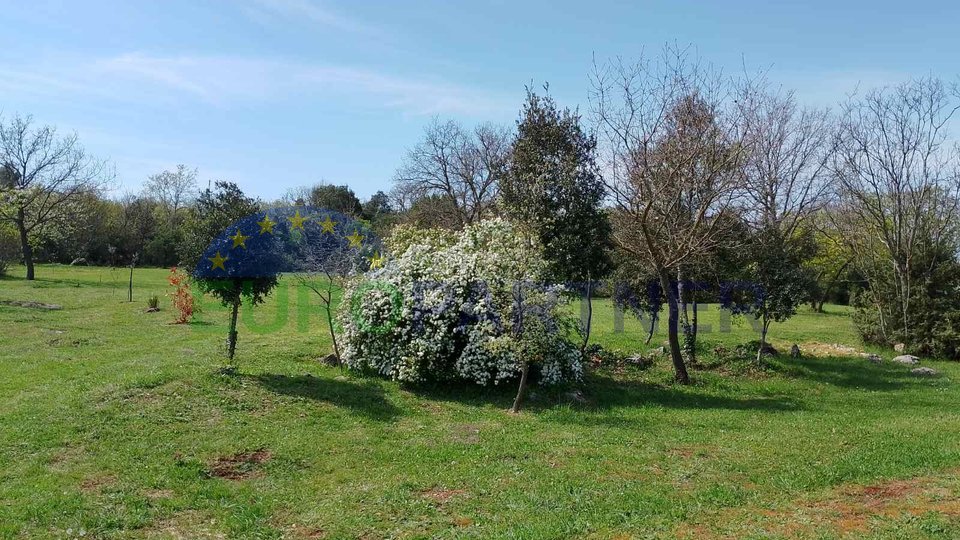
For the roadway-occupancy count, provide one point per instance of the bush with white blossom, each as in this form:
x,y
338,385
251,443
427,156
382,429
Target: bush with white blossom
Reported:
x,y
459,306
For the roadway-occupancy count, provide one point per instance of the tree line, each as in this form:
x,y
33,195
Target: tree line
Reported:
x,y
686,184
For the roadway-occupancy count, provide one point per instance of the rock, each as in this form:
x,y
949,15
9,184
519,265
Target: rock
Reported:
x,y
770,350
78,260
153,310
639,360
659,351
340,378
873,358
330,360
924,371
576,396
906,359
900,347
795,351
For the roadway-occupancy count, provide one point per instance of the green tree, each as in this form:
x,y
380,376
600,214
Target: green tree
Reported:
x,y
554,188
215,210
337,198
42,174
775,266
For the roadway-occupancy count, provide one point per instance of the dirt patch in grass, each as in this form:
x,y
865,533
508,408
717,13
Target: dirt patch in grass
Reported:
x,y
30,304
849,511
239,466
466,433
158,494
97,483
829,349
440,496
186,525
66,457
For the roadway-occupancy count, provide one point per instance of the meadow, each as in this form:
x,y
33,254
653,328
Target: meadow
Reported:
x,y
115,423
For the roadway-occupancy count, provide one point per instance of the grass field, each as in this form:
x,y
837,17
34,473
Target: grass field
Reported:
x,y
116,424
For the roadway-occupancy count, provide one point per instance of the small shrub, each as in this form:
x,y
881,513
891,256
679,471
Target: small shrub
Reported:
x,y
182,297
153,303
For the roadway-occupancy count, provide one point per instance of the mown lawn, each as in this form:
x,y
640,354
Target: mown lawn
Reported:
x,y
116,424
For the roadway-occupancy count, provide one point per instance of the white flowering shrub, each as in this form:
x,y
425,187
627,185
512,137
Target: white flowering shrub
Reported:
x,y
459,306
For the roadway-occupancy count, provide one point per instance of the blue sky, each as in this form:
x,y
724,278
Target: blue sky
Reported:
x,y
274,94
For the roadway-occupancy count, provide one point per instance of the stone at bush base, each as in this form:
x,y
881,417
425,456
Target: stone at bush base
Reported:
x,y
900,347
873,358
330,360
924,371
906,359
659,351
795,351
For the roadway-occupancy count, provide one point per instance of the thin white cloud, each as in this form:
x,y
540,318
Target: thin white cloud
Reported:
x,y
224,81
306,10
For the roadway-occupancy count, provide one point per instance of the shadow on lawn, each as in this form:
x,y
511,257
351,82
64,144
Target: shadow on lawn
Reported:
x,y
852,373
602,392
364,398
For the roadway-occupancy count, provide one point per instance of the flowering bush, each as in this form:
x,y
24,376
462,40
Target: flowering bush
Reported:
x,y
182,297
467,306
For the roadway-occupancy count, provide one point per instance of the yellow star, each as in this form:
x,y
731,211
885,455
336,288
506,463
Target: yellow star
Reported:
x,y
296,222
218,261
355,239
376,261
266,226
328,225
239,240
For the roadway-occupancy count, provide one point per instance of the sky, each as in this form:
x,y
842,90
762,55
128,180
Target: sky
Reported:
x,y
274,94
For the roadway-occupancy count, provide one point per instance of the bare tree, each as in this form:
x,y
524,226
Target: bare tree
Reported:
x,y
787,174
462,167
173,190
675,144
786,180
899,180
42,175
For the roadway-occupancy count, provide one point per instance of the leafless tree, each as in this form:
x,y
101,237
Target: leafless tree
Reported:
x,y
787,174
42,175
675,144
459,165
328,262
899,180
173,190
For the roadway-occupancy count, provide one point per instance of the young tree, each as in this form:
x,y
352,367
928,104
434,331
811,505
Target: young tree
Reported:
x,y
775,264
328,253
460,166
216,212
899,180
553,187
676,145
41,175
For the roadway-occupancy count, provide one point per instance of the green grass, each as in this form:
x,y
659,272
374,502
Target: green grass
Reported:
x,y
112,422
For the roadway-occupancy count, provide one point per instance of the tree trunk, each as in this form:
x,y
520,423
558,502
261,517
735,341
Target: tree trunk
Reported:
x,y
232,337
523,388
586,331
694,327
654,317
680,369
333,335
763,339
25,246
130,285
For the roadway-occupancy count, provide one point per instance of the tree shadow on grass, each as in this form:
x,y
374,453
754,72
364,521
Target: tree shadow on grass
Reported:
x,y
363,398
602,392
851,373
